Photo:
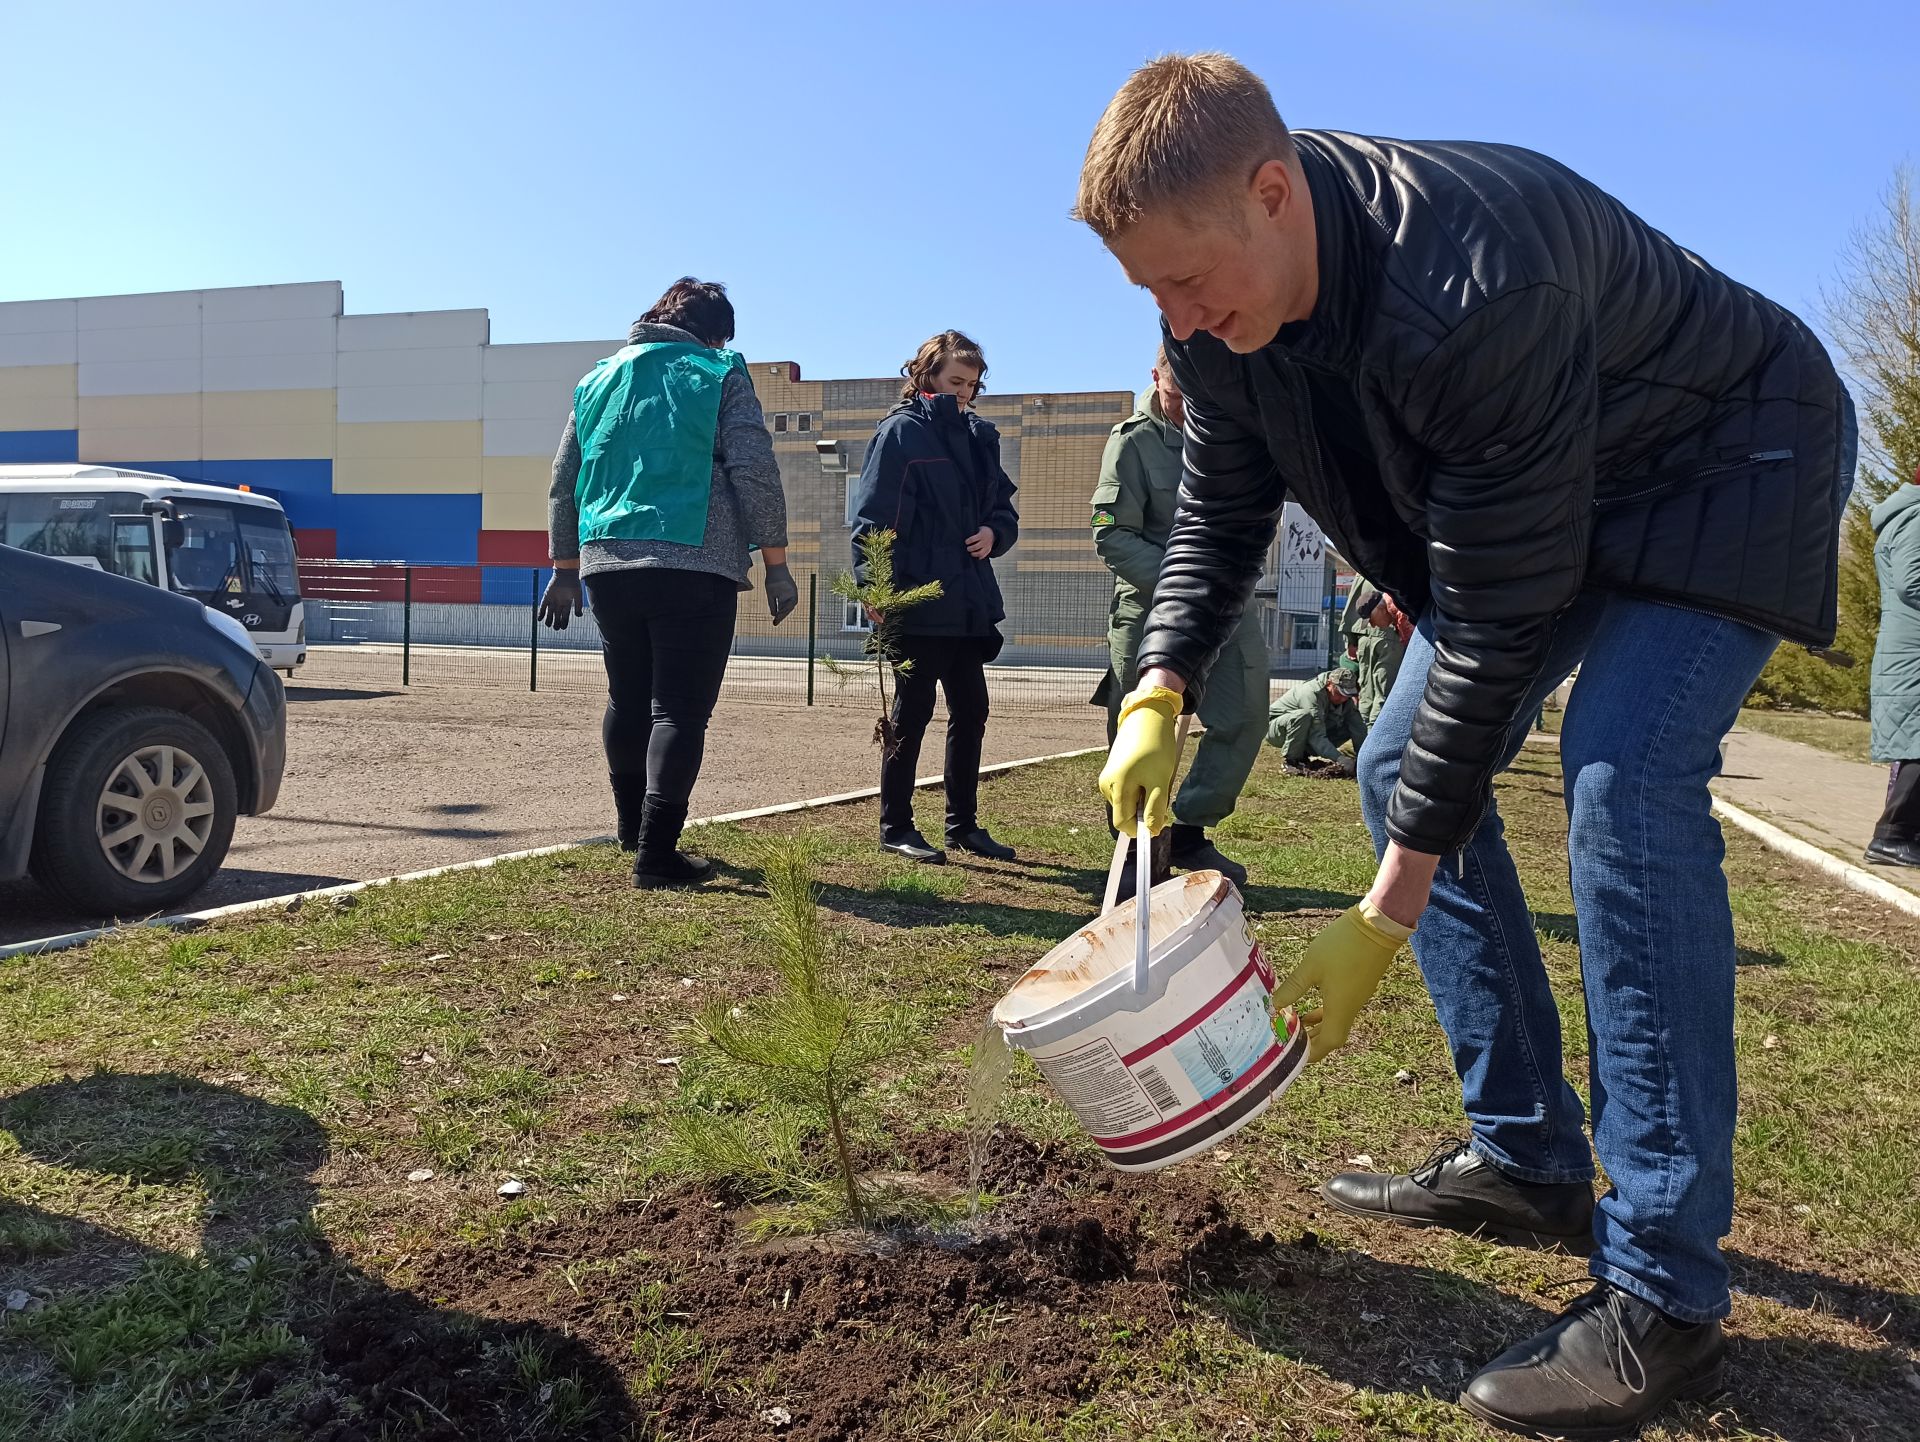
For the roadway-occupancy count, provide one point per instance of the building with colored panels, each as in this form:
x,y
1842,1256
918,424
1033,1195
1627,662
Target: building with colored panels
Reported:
x,y
410,437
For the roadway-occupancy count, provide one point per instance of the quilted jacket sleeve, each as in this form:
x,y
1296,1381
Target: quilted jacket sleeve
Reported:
x,y
1505,408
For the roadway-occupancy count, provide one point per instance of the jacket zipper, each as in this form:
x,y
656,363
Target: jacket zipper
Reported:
x,y
1757,458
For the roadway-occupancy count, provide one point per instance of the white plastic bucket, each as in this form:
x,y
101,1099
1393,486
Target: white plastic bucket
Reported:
x,y
1159,1073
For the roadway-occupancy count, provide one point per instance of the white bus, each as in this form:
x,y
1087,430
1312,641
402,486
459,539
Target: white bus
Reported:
x,y
229,549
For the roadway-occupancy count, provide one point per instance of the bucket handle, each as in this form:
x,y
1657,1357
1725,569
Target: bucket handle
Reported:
x,y
1143,869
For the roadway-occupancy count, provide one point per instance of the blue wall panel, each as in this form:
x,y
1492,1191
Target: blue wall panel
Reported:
x,y
39,446
304,489
423,529
512,585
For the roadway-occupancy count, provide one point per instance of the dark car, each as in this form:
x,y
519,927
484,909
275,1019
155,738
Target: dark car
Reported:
x,y
135,728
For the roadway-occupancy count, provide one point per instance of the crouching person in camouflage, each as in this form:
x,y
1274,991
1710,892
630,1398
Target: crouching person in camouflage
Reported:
x,y
1310,721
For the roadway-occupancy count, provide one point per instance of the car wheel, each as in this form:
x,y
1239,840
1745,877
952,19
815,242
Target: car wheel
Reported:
x,y
136,813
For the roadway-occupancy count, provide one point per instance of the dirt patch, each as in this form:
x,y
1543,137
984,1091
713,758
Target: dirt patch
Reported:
x,y
814,1341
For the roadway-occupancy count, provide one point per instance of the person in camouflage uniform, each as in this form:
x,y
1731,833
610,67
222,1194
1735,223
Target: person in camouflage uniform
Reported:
x,y
1310,721
1132,516
1376,632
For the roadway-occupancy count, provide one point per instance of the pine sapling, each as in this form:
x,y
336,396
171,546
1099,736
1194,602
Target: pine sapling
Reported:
x,y
884,605
804,1055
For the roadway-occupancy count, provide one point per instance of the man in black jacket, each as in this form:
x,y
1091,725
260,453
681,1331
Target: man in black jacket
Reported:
x,y
1557,439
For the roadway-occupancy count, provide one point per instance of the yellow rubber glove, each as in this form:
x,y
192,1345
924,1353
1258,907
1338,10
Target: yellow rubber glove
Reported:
x,y
1344,963
1140,764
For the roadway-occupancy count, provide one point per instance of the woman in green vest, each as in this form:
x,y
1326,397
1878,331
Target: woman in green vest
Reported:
x,y
664,479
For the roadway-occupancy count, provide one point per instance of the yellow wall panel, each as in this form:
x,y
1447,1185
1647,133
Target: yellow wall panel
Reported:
x,y
513,511
399,476
38,398
267,408
410,441
267,442
139,443
140,413
513,493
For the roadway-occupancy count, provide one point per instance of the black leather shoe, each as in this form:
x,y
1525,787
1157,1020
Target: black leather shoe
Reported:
x,y
1457,1189
913,846
1603,1370
977,841
1193,852
1893,853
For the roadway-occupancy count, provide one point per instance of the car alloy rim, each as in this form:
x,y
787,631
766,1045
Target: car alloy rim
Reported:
x,y
155,814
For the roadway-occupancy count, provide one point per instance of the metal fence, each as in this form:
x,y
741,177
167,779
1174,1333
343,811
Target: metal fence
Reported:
x,y
375,624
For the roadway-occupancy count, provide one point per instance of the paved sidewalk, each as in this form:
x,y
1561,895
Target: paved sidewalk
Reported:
x,y
1823,799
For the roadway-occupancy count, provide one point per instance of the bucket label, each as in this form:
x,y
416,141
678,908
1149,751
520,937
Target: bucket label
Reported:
x,y
1227,1044
1095,1082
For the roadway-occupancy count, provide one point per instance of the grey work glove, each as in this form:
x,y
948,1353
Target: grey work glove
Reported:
x,y
561,603
783,593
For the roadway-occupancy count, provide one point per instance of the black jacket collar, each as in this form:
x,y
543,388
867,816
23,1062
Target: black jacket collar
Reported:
x,y
1330,336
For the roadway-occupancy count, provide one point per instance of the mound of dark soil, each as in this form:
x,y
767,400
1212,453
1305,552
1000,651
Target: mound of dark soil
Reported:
x,y
810,1340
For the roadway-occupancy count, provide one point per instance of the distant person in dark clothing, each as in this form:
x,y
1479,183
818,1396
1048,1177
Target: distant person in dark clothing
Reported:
x,y
664,479
933,477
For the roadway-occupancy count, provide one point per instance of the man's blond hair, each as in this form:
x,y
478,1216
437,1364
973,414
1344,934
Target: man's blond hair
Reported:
x,y
1182,126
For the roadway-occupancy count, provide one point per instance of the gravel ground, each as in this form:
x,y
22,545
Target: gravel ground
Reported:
x,y
381,781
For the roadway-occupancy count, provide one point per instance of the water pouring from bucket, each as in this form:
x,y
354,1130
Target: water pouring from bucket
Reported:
x,y
1155,1022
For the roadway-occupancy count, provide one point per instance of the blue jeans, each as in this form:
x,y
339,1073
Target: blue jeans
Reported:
x,y
1659,687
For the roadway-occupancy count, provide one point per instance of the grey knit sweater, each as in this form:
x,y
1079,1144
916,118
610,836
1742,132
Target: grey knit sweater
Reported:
x,y
748,506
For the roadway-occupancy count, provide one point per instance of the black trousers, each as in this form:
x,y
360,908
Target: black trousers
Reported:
x,y
957,664
666,636
1901,820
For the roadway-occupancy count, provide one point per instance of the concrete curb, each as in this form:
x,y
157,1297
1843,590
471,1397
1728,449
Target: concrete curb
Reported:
x,y
1857,877
190,919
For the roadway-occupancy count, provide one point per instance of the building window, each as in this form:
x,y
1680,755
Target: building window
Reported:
x,y
853,617
1306,633
779,421
804,421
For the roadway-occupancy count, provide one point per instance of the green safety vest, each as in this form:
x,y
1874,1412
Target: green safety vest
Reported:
x,y
646,418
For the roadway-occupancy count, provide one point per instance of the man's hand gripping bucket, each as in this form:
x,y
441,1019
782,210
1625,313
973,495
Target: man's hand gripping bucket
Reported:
x,y
1161,1059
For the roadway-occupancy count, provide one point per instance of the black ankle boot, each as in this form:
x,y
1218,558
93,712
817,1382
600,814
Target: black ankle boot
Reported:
x,y
1192,851
629,799
661,862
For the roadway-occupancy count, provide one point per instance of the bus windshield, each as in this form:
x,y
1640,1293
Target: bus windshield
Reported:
x,y
78,528
232,550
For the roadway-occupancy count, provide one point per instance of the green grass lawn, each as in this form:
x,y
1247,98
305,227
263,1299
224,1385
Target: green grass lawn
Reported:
x,y
249,1174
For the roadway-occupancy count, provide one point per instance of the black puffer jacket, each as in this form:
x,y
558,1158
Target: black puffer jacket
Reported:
x,y
933,477
1511,388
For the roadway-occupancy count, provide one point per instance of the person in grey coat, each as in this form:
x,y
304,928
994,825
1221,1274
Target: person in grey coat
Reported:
x,y
1896,675
664,483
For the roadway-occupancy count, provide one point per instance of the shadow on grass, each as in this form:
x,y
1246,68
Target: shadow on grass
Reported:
x,y
263,1318
1562,927
1399,1330
1893,1315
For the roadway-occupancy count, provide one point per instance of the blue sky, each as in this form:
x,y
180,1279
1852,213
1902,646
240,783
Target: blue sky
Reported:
x,y
861,175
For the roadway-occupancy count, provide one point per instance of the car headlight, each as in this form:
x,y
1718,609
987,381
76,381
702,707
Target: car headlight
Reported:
x,y
230,628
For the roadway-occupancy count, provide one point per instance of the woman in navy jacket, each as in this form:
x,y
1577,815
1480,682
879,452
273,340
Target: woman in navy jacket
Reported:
x,y
933,477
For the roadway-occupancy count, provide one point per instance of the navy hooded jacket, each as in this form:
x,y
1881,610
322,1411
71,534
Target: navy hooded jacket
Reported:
x,y
933,477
